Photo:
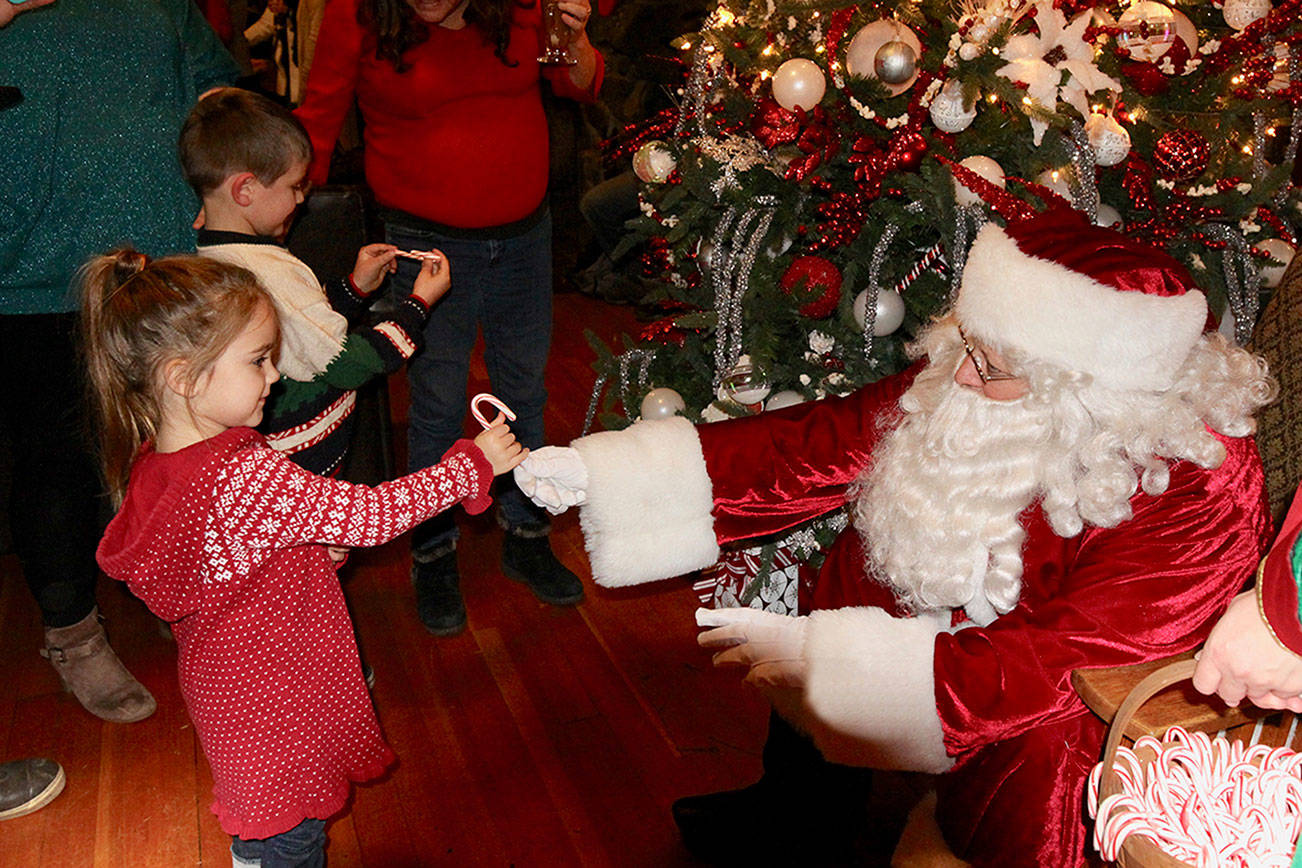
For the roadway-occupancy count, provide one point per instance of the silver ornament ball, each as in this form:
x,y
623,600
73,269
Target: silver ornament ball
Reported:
x,y
895,62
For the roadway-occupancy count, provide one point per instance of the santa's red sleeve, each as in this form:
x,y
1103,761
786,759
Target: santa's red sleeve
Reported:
x,y
1280,577
662,495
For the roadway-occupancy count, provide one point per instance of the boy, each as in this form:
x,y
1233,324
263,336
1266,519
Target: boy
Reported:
x,y
247,158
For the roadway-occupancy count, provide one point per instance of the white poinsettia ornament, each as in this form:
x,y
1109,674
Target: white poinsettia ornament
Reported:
x,y
1039,61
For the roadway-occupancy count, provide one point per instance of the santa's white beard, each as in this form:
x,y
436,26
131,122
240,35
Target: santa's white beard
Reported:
x,y
938,509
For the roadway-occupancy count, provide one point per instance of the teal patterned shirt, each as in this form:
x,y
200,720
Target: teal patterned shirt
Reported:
x,y
89,156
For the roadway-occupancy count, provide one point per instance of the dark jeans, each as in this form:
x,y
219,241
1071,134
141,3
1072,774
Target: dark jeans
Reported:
x,y
608,205
301,847
55,497
504,287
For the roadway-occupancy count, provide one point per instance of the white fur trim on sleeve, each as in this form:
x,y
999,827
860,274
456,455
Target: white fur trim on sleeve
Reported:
x,y
1126,340
871,689
649,501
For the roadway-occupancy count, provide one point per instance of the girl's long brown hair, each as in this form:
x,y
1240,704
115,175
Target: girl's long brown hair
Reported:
x,y
396,27
136,317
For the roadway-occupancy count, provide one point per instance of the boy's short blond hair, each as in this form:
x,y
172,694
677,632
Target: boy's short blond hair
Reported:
x,y
232,131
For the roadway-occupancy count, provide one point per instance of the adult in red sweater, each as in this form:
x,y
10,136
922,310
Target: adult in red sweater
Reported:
x,y
226,539
450,93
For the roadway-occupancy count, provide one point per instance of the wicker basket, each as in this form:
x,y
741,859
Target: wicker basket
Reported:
x,y
1136,851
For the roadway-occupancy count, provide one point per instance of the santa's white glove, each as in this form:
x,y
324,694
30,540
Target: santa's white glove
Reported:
x,y
771,645
553,477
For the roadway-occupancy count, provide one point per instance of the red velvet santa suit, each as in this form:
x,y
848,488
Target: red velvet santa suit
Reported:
x,y
225,540
995,699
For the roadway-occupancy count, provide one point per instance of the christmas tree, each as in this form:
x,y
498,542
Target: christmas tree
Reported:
x,y
808,203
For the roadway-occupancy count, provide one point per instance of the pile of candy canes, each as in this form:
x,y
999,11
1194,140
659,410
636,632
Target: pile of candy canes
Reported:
x,y
1207,802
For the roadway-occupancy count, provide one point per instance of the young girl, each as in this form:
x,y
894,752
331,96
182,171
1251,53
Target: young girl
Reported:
x,y
226,539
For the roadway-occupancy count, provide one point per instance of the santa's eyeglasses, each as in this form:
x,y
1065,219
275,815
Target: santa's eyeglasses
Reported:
x,y
986,371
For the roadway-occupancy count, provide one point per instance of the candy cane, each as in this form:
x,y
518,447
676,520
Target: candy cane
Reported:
x,y
491,399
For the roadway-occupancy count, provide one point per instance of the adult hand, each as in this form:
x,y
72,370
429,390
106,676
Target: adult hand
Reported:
x,y
1242,659
575,14
374,262
554,477
10,11
771,645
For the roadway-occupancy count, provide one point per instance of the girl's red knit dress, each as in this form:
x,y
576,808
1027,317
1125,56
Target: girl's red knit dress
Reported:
x,y
225,540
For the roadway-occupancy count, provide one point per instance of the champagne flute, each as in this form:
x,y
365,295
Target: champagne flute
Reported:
x,y
556,36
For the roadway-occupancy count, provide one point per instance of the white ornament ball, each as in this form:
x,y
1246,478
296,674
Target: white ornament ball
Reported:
x,y
890,311
1055,180
653,163
1279,250
1240,13
948,112
1108,138
986,168
969,51
1106,215
661,403
895,62
861,53
785,398
1147,30
799,83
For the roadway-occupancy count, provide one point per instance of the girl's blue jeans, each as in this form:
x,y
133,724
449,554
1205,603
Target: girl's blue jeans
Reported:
x,y
301,847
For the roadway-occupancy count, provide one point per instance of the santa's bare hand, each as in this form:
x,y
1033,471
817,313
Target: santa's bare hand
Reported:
x,y
1242,659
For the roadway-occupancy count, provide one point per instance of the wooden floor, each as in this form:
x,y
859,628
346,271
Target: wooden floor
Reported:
x,y
541,736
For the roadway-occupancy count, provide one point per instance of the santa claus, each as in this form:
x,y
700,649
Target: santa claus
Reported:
x,y
1067,480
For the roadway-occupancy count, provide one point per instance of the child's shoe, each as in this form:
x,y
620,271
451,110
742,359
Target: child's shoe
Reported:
x,y
438,595
529,559
89,669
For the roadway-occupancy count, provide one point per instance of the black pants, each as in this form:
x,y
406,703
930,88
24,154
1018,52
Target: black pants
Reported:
x,y
56,494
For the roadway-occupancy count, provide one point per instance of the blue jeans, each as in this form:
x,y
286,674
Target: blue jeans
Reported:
x,y
504,287
301,847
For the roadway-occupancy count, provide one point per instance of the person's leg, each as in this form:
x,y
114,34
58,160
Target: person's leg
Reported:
x,y
301,847
53,509
437,376
608,205
517,323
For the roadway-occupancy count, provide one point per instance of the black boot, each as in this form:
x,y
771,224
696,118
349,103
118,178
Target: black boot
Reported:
x,y
823,805
438,595
529,559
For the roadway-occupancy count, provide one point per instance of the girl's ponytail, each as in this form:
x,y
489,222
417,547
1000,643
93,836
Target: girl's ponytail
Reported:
x,y
138,315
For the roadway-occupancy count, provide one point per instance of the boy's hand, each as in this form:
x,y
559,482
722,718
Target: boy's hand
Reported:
x,y
434,280
500,447
374,263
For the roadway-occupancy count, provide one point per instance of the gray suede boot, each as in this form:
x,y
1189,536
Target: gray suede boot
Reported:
x,y
89,669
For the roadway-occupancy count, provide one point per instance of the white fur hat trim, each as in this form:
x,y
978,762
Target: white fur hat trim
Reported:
x,y
1124,339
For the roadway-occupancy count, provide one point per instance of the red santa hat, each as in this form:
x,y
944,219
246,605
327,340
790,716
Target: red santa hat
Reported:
x,y
1058,288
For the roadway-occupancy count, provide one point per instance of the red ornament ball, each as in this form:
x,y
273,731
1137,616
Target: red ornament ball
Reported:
x,y
1180,155
819,279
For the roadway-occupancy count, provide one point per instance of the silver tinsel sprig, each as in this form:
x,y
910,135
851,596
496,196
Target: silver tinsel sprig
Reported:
x,y
640,357
1080,180
735,248
1295,127
1241,278
699,84
874,288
